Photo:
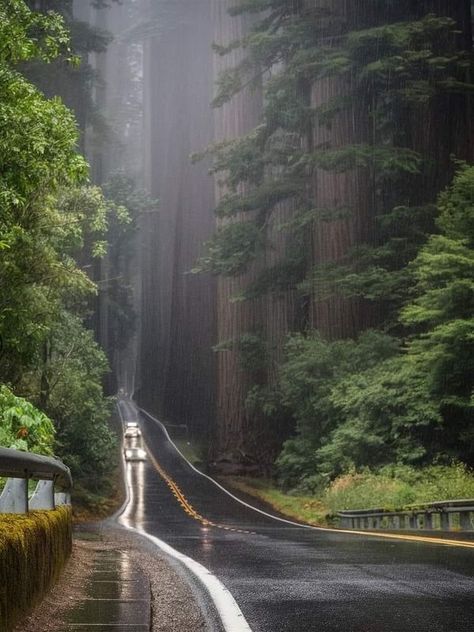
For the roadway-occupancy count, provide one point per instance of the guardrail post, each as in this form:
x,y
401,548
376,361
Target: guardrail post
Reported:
x,y
14,498
428,521
444,520
43,496
62,498
345,522
465,520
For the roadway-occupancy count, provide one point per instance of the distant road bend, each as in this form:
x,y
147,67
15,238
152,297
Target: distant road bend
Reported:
x,y
287,578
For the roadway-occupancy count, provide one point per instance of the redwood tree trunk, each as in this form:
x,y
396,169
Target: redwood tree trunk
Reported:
x,y
236,435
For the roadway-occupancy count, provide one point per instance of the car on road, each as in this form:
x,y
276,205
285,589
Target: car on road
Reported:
x,y
132,433
135,454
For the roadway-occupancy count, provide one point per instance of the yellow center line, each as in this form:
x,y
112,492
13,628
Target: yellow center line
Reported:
x,y
189,509
467,544
186,505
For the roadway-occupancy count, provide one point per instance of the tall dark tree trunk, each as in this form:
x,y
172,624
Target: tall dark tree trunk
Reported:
x,y
178,309
237,435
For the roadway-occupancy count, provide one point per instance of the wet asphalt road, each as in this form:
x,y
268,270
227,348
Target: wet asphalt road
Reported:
x,y
287,578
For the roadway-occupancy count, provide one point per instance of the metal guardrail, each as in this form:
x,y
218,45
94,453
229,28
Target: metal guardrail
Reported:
x,y
446,515
20,467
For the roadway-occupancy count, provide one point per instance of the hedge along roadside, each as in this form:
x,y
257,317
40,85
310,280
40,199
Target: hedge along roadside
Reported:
x,y
33,550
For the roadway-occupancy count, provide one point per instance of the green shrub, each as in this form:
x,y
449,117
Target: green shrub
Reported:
x,y
22,426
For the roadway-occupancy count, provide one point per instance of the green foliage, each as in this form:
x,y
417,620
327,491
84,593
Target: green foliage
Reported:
x,y
370,403
122,190
231,249
263,401
38,270
37,156
383,413
86,216
441,313
37,146
279,278
50,219
69,387
251,349
385,160
394,487
22,426
378,274
391,72
27,34
386,488
319,386
76,81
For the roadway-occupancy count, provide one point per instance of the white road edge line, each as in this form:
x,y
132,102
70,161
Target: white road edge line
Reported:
x,y
229,612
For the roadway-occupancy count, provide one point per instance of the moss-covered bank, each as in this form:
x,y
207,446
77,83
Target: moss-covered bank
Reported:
x,y
33,550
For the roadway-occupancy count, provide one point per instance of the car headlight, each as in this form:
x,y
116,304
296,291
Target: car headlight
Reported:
x,y
141,454
128,453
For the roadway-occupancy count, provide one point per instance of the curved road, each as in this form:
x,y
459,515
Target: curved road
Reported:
x,y
290,579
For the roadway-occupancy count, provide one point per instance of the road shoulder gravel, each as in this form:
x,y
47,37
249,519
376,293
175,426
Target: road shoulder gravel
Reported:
x,y
176,605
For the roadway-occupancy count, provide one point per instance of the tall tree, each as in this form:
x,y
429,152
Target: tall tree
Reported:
x,y
178,309
338,143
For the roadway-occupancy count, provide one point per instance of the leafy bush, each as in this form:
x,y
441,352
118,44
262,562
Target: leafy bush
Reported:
x,y
76,402
22,426
315,378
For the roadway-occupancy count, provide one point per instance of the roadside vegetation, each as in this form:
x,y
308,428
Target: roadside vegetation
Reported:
x,y
391,487
54,227
386,421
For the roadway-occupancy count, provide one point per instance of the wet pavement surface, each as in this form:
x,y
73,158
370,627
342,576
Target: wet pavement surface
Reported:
x,y
287,578
118,597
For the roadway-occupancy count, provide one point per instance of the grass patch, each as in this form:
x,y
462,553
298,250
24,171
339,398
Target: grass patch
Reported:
x,y
307,509
193,451
392,487
190,450
395,487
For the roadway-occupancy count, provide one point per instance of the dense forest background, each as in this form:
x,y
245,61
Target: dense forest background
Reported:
x,y
339,270
344,307
301,297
